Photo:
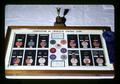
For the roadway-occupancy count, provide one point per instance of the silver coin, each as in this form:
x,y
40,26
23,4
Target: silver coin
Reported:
x,y
99,60
74,61
84,44
63,57
41,60
31,43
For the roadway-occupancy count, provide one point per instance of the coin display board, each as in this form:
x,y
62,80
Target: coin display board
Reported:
x,y
57,51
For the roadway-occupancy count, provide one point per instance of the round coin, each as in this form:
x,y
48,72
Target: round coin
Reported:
x,y
52,42
16,60
52,50
52,57
29,61
63,50
63,57
86,60
41,60
84,44
99,60
63,42
74,61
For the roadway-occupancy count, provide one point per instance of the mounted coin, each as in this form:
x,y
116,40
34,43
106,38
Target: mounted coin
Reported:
x,y
72,43
16,60
74,61
43,43
96,43
19,43
42,61
99,61
31,43
84,44
29,61
87,60
63,57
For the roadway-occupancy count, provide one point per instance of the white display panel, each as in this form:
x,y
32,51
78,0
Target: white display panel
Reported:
x,y
58,48
55,50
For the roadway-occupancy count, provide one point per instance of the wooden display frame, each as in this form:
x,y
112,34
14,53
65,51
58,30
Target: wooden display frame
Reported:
x,y
9,72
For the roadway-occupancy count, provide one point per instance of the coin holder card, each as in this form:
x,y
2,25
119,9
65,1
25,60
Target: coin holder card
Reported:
x,y
96,41
17,56
29,57
84,41
43,41
42,54
64,49
72,41
86,58
98,54
19,40
31,40
73,57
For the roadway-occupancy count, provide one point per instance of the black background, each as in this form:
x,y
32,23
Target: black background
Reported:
x,y
44,37
39,2
72,37
30,53
70,57
82,37
33,37
98,56
42,56
19,36
97,38
88,53
16,53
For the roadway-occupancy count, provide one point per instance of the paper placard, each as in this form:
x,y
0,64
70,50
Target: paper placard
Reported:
x,y
58,63
57,35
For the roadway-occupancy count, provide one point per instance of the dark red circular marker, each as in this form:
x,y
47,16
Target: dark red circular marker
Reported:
x,y
52,50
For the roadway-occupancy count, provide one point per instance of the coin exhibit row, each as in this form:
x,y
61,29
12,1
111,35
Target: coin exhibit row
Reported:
x,y
40,57
43,41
